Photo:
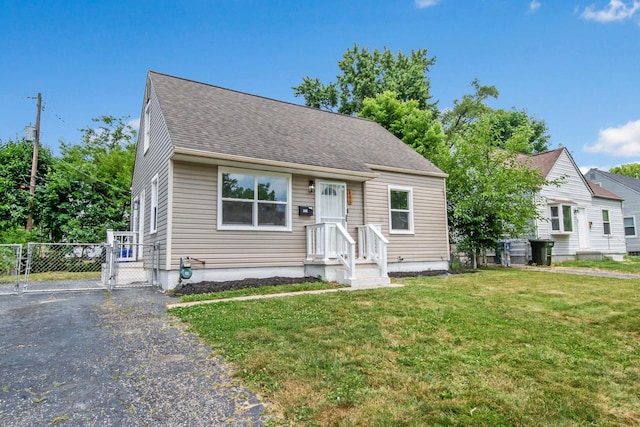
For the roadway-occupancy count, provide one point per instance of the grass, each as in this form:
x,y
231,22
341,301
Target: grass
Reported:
x,y
628,265
263,290
497,348
54,275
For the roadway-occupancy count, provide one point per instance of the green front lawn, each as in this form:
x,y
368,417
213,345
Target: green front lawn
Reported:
x,y
628,265
500,347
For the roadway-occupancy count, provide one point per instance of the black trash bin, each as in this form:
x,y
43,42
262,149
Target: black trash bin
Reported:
x,y
541,251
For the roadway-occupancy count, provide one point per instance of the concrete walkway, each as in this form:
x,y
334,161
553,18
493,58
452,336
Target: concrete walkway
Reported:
x,y
283,294
581,271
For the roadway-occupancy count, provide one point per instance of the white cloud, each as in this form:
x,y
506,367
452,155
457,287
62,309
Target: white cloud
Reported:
x,y
534,5
421,4
623,141
617,10
135,124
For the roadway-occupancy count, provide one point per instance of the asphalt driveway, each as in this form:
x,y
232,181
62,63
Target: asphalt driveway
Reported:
x,y
96,358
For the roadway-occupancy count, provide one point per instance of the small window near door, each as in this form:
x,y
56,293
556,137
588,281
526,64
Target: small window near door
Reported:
x,y
400,210
630,227
606,225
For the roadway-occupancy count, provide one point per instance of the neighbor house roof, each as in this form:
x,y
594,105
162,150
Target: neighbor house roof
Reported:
x,y
210,120
543,162
601,192
627,181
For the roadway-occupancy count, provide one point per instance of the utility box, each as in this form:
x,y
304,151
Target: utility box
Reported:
x,y
541,251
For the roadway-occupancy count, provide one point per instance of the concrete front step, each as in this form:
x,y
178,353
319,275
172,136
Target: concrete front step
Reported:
x,y
366,274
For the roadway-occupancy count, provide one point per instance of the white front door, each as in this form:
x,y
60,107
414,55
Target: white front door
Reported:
x,y
331,208
331,202
583,229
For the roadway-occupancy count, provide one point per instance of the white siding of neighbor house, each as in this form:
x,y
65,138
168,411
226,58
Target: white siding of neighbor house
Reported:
x,y
195,234
575,191
630,205
613,243
430,239
147,165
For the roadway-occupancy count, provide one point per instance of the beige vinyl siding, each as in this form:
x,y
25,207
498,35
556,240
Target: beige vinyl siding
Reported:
x,y
429,242
355,211
154,161
194,230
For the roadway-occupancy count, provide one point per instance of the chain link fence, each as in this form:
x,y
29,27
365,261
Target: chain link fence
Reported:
x,y
131,265
10,268
64,266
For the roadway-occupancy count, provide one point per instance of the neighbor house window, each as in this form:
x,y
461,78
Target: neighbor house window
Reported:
x,y
561,218
630,226
605,222
400,210
154,204
147,126
254,200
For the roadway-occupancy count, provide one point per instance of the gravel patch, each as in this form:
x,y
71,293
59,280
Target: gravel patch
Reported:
x,y
111,359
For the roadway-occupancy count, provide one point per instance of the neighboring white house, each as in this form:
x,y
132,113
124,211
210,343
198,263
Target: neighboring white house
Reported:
x,y
254,187
583,219
629,189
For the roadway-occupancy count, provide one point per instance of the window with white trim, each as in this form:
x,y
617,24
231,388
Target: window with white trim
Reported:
x,y
146,136
606,224
629,226
254,200
561,218
400,210
154,204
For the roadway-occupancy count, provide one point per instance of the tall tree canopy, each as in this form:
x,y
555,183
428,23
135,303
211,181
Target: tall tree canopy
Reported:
x,y
88,191
15,173
416,127
365,73
630,169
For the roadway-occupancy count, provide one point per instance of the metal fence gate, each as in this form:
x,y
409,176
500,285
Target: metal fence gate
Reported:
x,y
51,267
131,265
10,268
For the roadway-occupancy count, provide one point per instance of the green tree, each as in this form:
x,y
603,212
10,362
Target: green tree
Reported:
x,y
88,191
505,123
416,127
365,73
490,191
15,173
467,110
630,169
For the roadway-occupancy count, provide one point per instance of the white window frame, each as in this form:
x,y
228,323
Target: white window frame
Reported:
x,y
408,190
560,218
607,222
147,126
153,213
635,229
256,174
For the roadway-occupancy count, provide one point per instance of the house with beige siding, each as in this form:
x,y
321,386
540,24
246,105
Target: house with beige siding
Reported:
x,y
249,187
583,219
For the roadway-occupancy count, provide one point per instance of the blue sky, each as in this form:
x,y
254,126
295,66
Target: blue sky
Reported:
x,y
572,63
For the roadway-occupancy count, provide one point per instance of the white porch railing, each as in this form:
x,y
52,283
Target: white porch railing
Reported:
x,y
127,243
330,240
372,245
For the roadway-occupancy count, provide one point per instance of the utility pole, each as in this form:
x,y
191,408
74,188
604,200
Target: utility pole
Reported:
x,y
34,165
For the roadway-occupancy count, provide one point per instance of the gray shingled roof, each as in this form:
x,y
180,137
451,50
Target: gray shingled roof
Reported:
x,y
222,121
627,181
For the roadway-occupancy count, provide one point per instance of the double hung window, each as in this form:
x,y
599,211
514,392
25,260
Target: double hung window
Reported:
x,y
630,226
254,200
606,224
400,210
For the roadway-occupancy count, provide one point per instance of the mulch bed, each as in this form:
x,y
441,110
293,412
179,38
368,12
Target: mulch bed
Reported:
x,y
208,287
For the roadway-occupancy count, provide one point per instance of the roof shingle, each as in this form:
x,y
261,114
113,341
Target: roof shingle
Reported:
x,y
215,120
